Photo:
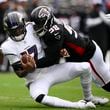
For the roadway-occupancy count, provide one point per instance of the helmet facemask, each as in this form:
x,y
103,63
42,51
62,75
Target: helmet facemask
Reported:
x,y
17,33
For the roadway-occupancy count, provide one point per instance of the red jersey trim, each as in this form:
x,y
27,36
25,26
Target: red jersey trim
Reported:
x,y
93,68
76,48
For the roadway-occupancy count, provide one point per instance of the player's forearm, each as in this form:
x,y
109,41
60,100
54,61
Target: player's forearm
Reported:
x,y
52,57
18,69
45,62
21,74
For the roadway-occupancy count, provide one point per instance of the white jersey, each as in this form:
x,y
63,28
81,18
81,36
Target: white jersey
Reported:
x,y
31,44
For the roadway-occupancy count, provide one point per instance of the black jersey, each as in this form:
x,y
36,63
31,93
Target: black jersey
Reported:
x,y
60,36
80,48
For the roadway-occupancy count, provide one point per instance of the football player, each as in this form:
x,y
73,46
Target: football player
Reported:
x,y
59,37
23,49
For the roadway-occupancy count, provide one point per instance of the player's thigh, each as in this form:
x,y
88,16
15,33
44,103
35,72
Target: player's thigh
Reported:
x,y
100,73
66,71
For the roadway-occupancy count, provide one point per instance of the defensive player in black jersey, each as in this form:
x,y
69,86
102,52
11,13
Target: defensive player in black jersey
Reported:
x,y
58,35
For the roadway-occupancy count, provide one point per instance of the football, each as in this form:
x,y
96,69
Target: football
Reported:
x,y
24,58
28,63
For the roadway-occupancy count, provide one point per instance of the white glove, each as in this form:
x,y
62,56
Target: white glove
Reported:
x,y
82,104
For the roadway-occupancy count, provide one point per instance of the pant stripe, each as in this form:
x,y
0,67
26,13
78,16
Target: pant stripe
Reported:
x,y
96,72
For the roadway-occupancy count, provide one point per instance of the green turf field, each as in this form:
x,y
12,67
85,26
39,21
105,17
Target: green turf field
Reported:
x,y
15,96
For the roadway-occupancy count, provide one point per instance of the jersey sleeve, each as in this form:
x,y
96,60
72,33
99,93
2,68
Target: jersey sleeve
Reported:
x,y
10,53
69,31
12,58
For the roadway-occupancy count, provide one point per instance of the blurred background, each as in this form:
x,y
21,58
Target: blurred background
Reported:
x,y
85,16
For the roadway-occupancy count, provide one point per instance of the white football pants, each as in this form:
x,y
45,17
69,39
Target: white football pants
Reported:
x,y
100,70
43,79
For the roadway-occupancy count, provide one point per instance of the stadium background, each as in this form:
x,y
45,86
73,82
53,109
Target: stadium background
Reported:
x,y
13,94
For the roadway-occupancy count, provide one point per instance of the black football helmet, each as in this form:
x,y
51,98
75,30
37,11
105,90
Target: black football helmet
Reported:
x,y
43,18
14,25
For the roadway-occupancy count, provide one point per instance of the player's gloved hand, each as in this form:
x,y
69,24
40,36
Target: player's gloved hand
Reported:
x,y
64,53
82,104
28,63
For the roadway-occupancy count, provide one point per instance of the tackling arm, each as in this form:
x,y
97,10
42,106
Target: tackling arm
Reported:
x,y
52,57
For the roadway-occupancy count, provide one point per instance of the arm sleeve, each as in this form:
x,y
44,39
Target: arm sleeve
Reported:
x,y
52,55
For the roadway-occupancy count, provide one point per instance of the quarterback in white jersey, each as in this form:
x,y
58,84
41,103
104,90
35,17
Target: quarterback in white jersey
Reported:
x,y
23,41
30,45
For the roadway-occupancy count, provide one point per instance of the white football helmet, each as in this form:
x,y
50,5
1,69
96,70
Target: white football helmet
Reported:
x,y
15,26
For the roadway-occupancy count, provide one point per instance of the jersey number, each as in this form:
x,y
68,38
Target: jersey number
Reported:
x,y
32,51
54,28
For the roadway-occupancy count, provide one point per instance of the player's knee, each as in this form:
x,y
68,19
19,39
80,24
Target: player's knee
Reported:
x,y
40,98
107,87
